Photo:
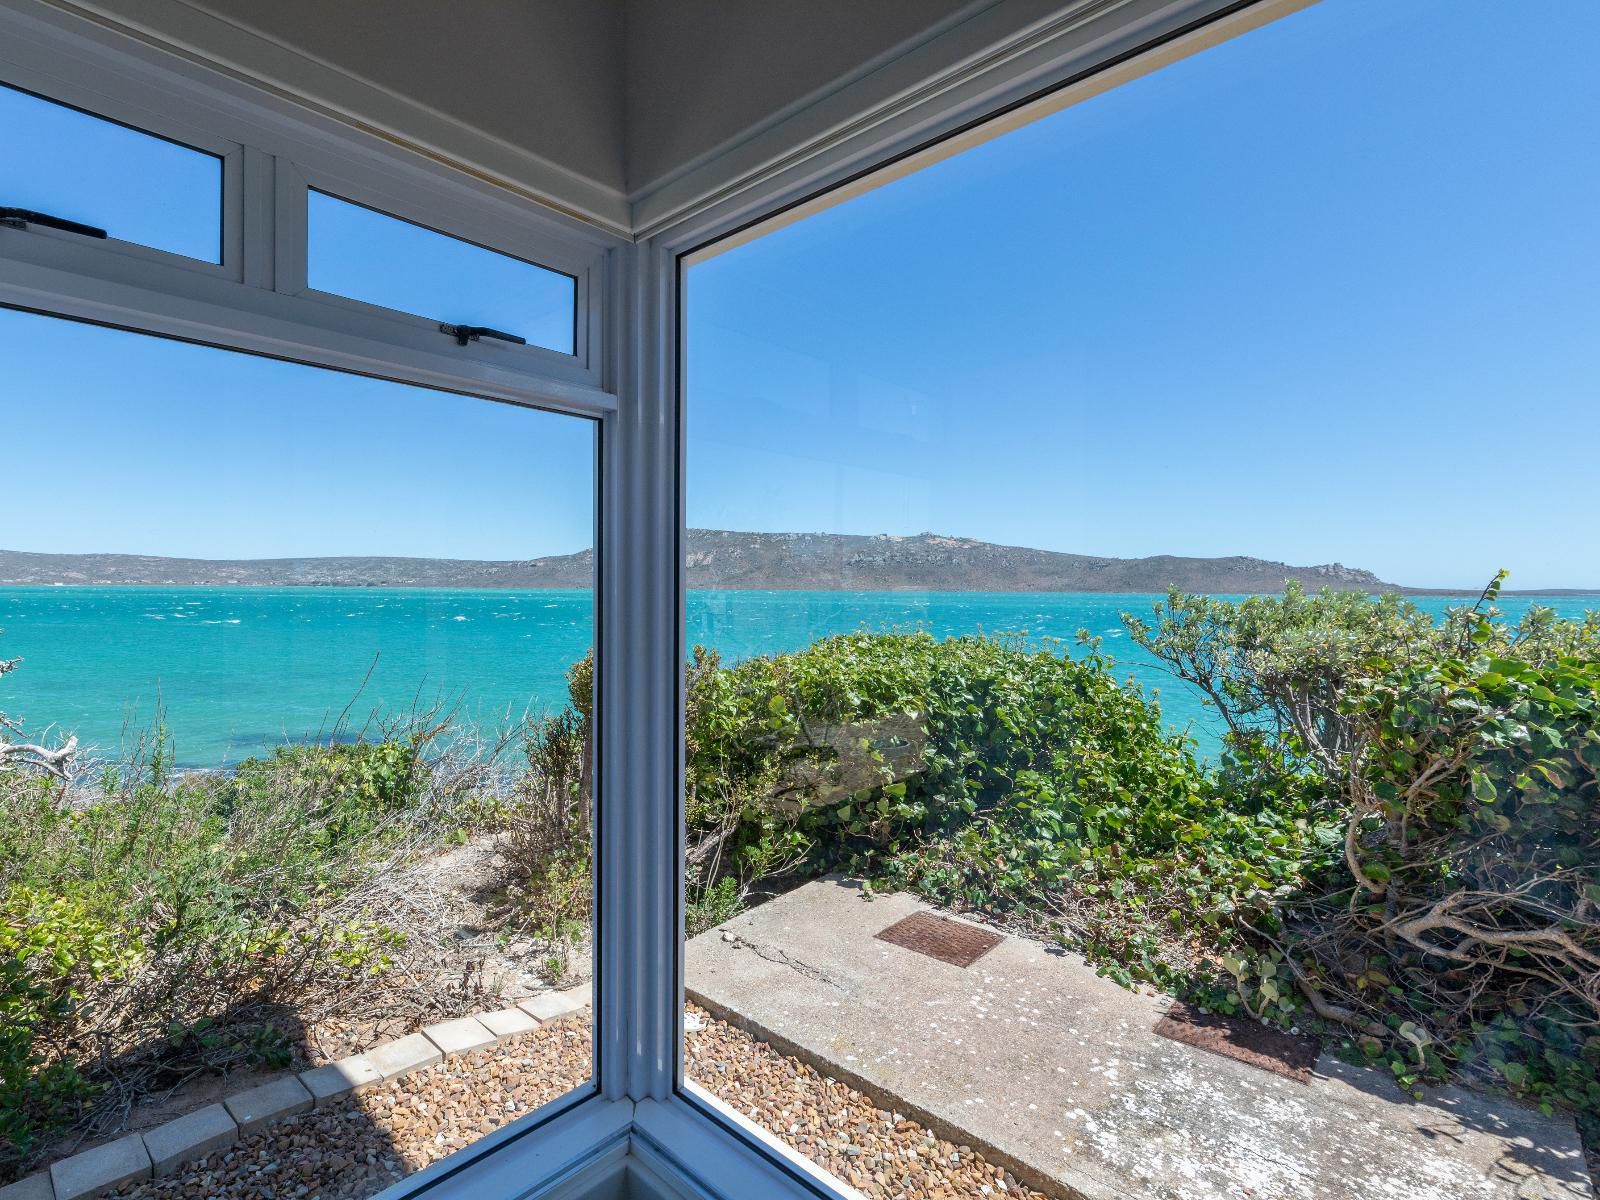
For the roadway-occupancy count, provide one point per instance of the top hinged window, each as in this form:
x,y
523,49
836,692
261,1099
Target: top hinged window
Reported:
x,y
85,176
195,209
473,293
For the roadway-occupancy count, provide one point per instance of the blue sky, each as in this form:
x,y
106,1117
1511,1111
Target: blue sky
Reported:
x,y
1327,292
121,443
136,187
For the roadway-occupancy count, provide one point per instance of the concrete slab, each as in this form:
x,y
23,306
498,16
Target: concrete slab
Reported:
x,y
461,1036
336,1080
34,1187
1056,1073
191,1136
508,1022
257,1107
404,1055
101,1169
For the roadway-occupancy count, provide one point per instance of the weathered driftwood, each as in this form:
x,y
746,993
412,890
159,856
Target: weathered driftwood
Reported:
x,y
53,761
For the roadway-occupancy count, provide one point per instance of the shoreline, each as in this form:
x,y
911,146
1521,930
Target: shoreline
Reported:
x,y
1471,594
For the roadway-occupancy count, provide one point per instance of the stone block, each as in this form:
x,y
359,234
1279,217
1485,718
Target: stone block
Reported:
x,y
191,1136
461,1036
261,1106
404,1055
101,1169
508,1022
550,1006
337,1080
34,1187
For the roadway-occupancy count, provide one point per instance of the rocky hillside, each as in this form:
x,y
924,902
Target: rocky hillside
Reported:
x,y
722,559
931,562
137,570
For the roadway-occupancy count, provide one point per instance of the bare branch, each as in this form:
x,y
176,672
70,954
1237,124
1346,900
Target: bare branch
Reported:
x,y
56,763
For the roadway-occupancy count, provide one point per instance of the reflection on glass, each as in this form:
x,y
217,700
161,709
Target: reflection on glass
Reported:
x,y
1282,849
137,187
368,255
294,756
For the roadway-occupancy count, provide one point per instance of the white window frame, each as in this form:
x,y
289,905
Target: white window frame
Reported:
x,y
294,180
32,75
256,299
641,1129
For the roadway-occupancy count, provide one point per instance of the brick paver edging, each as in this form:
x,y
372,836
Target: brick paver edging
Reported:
x,y
166,1148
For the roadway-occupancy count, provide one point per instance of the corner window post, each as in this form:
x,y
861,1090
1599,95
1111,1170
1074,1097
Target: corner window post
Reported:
x,y
639,988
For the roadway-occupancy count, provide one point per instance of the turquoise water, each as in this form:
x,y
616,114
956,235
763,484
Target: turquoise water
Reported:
x,y
237,670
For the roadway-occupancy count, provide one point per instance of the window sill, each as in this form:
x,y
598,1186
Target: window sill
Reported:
x,y
688,1147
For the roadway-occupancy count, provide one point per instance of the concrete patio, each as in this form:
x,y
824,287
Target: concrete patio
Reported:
x,y
1043,1066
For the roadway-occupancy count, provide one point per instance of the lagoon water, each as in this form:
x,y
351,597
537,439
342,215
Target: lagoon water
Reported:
x,y
238,670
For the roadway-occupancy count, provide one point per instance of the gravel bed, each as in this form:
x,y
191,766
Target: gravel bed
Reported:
x,y
881,1153
361,1145
366,1142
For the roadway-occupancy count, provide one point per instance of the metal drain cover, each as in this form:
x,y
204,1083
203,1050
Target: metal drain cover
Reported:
x,y
941,938
1285,1054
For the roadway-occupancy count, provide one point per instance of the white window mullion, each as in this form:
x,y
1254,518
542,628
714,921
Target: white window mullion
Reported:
x,y
257,233
289,229
639,992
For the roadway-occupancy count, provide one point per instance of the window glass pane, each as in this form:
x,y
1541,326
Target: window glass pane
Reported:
x,y
368,255
1240,330
312,651
137,187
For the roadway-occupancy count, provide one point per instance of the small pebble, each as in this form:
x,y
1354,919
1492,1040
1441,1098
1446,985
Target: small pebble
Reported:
x,y
887,1157
367,1142
362,1144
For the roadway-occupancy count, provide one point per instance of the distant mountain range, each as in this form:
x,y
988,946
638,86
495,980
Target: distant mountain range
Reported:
x,y
718,558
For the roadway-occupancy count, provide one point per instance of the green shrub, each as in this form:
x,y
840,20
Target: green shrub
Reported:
x,y
1472,882
342,791
51,948
715,904
985,773
1445,913
158,920
545,831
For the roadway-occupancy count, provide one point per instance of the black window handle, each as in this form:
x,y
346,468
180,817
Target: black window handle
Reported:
x,y
18,218
471,333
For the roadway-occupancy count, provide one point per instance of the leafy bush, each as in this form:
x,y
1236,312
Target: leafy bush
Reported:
x,y
1446,911
545,833
159,921
1099,826
715,904
983,772
343,792
980,770
51,948
1469,888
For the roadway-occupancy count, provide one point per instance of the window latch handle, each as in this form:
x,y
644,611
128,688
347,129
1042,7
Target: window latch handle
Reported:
x,y
471,333
21,218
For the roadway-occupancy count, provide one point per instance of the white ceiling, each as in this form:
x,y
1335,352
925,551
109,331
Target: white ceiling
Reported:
x,y
703,74
595,105
539,75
